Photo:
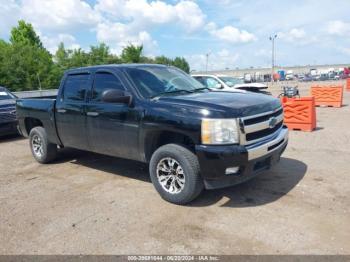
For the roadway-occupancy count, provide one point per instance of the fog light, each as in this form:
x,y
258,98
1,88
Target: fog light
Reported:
x,y
231,170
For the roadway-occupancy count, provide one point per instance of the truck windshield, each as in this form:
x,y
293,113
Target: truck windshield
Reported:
x,y
4,95
153,81
231,81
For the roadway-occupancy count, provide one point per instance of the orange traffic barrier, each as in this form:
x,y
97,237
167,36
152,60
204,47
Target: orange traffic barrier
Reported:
x,y
299,113
348,84
328,95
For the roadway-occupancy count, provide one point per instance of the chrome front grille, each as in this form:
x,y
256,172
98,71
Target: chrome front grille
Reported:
x,y
257,128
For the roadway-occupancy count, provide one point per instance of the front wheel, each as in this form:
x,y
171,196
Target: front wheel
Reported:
x,y
42,150
174,172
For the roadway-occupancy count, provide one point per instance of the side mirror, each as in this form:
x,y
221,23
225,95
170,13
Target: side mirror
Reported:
x,y
218,86
116,96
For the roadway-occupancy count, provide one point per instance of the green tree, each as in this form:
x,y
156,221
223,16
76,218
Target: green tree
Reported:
x,y
181,63
163,60
146,60
25,63
99,54
24,34
28,68
78,58
113,59
4,59
62,56
132,54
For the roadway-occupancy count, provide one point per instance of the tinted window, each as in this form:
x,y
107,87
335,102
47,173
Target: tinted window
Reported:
x,y
211,82
104,81
4,95
75,87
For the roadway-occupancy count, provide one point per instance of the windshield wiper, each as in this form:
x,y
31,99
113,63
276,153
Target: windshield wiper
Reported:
x,y
171,92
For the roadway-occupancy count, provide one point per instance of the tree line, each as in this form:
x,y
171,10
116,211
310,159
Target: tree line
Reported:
x,y
25,64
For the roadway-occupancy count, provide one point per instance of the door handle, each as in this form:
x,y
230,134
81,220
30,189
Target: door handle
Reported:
x,y
61,110
92,113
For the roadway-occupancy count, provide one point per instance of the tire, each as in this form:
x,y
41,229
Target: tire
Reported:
x,y
47,151
189,177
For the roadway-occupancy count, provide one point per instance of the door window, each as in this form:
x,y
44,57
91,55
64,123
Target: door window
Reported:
x,y
75,87
104,81
212,82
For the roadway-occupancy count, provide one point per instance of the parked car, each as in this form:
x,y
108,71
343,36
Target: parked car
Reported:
x,y
267,77
306,78
227,83
192,137
324,77
8,120
300,77
247,78
289,77
316,77
332,76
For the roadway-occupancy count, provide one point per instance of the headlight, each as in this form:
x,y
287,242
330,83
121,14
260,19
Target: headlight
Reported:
x,y
219,131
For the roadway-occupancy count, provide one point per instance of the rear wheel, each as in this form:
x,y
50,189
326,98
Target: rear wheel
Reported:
x,y
174,172
42,150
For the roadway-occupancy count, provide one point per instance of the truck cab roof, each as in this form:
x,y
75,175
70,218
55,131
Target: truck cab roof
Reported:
x,y
110,66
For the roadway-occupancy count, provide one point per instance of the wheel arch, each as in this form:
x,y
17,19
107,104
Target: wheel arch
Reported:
x,y
156,139
31,122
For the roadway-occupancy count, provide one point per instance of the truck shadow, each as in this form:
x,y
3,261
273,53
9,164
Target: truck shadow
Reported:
x,y
11,138
263,189
112,165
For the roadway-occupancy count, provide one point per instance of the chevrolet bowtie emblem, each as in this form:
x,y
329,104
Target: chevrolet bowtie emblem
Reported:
x,y
272,122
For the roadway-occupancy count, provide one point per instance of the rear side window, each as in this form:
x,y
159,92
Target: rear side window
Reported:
x,y
75,87
104,81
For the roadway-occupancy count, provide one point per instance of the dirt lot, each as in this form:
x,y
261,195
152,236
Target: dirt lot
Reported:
x,y
91,204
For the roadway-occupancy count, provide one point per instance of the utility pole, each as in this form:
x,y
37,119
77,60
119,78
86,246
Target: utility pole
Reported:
x,y
39,81
207,61
272,39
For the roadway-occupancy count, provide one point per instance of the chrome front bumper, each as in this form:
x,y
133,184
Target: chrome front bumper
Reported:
x,y
256,151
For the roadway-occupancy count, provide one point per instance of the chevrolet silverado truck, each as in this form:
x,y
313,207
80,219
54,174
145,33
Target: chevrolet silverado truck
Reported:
x,y
191,137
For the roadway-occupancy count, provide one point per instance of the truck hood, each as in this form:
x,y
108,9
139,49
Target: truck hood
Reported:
x,y
251,85
223,104
8,102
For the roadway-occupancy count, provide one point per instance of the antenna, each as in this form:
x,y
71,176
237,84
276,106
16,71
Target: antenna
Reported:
x,y
207,61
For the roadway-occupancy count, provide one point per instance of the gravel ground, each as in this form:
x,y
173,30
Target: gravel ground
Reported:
x,y
86,203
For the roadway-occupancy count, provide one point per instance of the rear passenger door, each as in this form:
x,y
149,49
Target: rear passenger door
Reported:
x,y
70,110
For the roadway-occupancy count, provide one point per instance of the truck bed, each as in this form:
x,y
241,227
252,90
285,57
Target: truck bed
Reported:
x,y
37,109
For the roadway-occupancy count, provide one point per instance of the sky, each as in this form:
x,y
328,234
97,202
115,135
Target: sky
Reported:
x,y
235,33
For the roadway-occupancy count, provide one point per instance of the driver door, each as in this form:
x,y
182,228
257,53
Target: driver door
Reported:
x,y
112,127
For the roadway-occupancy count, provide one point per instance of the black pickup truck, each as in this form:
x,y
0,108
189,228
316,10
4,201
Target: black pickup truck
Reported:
x,y
192,137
